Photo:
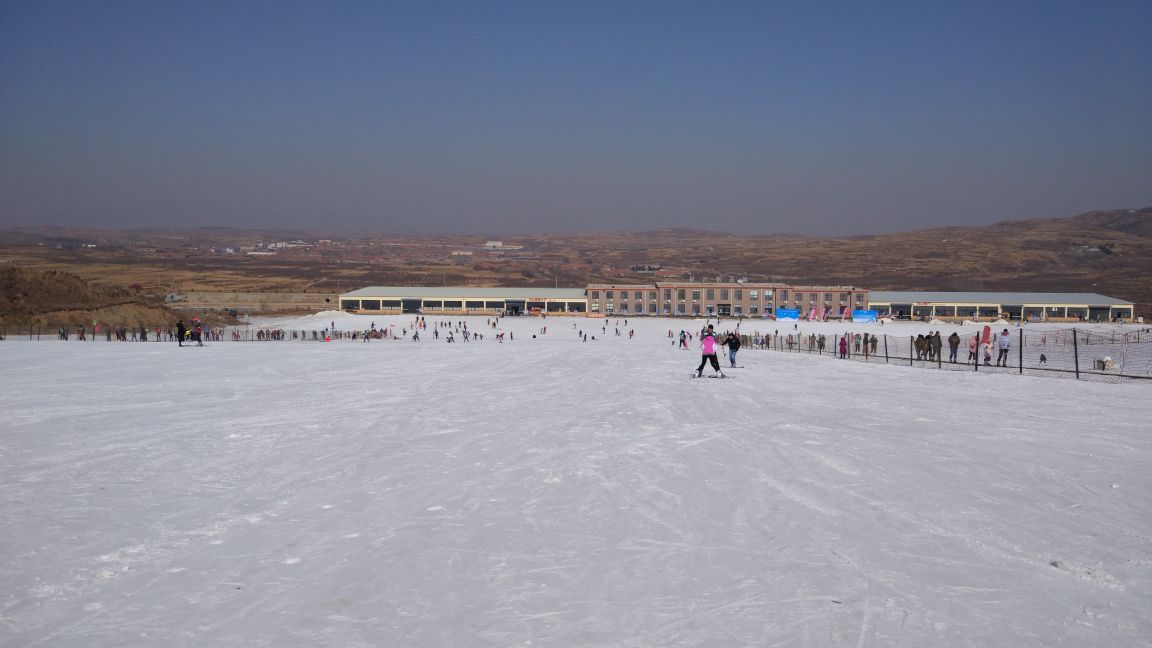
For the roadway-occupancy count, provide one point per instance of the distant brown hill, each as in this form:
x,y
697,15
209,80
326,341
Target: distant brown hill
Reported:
x,y
53,298
1098,251
1108,252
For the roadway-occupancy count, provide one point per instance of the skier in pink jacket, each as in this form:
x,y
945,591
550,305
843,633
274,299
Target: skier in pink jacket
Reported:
x,y
708,352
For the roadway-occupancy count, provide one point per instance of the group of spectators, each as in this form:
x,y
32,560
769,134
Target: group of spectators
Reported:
x,y
927,347
193,332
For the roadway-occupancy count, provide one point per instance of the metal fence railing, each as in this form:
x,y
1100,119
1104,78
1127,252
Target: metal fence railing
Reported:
x,y
209,334
166,334
1112,356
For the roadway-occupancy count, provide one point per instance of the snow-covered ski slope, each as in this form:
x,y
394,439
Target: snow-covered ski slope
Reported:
x,y
551,492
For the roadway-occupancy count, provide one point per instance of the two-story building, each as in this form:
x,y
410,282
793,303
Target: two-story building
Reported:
x,y
731,299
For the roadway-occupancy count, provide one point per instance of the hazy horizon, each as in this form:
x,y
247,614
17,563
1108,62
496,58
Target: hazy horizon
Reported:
x,y
826,119
367,232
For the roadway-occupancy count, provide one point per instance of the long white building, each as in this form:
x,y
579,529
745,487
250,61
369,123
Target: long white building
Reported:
x,y
734,299
1010,305
464,300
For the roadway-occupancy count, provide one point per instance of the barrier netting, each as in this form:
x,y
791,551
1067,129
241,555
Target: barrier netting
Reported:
x,y
1096,354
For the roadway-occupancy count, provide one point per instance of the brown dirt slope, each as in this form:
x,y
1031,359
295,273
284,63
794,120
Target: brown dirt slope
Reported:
x,y
29,298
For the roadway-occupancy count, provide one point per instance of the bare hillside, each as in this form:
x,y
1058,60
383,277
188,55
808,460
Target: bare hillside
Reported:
x,y
1107,252
30,298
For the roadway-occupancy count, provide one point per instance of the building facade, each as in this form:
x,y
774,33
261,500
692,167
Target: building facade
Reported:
x,y
462,300
1008,305
732,299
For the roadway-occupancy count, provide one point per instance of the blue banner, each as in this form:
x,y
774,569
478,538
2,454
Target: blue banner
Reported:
x,y
787,313
864,316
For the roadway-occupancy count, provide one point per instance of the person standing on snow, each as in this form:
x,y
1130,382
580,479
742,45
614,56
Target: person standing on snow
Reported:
x,y
733,344
953,345
180,331
1003,342
708,352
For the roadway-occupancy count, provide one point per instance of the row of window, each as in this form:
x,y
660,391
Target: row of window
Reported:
x,y
709,294
996,311
681,294
814,297
429,304
681,309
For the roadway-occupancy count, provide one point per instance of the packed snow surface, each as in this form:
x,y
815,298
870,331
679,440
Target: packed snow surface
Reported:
x,y
552,492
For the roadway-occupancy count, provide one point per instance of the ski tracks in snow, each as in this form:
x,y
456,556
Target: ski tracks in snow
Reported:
x,y
564,493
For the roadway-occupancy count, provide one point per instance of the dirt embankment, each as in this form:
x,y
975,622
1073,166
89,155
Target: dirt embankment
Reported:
x,y
255,302
30,298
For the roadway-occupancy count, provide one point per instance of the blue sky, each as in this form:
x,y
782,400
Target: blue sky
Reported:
x,y
822,118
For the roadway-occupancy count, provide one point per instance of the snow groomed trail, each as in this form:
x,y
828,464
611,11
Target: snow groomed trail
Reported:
x,y
551,492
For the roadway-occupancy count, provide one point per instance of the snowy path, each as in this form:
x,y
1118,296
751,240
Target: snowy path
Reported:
x,y
557,493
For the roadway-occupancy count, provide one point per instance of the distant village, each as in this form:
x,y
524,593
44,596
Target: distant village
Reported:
x,y
488,255
365,251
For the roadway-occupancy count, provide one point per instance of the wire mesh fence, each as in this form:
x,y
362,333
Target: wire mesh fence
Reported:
x,y
1107,355
168,333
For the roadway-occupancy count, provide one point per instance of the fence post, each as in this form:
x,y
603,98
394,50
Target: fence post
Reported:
x,y
976,356
1076,354
911,348
885,348
1021,354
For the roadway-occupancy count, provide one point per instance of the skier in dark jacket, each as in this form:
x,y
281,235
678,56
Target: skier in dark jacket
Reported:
x,y
180,331
733,344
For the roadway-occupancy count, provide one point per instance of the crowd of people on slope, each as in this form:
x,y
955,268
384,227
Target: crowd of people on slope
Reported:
x,y
926,347
450,331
